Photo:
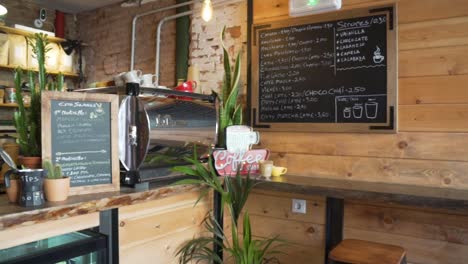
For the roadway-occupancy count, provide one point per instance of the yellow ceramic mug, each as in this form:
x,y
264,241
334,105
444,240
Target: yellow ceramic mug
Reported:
x,y
278,171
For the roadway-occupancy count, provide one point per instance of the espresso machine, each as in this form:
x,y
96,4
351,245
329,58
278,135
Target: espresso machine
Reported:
x,y
159,128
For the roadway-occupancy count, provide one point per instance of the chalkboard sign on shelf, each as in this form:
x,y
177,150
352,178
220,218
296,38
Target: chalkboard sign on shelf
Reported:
x,y
329,73
79,132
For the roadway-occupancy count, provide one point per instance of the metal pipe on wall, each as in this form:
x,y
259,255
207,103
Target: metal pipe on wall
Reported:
x,y
158,40
135,19
182,42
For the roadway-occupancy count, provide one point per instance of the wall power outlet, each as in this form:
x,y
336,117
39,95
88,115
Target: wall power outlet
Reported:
x,y
299,206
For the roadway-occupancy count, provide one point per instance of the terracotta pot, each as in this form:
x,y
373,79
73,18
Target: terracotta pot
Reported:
x,y
56,190
30,162
13,191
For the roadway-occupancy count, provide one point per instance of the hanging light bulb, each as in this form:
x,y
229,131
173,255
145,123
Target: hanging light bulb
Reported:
x,y
3,10
207,10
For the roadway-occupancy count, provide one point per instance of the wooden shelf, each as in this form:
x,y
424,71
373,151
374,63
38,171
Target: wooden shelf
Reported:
x,y
10,105
26,33
67,74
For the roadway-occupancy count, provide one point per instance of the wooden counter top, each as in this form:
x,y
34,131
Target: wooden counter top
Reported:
x,y
12,215
420,196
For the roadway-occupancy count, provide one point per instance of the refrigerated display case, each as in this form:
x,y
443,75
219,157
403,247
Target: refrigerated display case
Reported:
x,y
83,247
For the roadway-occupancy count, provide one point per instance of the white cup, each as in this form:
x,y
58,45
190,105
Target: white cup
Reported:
x,y
148,80
240,139
118,79
266,168
132,76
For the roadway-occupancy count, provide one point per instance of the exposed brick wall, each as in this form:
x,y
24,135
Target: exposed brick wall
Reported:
x,y
205,47
108,32
24,12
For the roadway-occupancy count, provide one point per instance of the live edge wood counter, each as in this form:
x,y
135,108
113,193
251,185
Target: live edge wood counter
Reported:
x,y
15,216
421,196
411,195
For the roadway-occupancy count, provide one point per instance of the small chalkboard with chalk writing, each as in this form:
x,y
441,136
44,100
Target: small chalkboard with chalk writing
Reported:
x,y
79,132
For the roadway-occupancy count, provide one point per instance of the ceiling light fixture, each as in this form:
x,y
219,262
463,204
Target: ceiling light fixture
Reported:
x,y
207,10
3,10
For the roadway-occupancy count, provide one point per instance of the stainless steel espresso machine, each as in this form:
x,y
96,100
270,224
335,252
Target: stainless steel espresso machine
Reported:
x,y
158,129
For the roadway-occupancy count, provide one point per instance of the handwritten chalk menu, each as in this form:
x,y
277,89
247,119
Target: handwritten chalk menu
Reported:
x,y
81,138
81,141
334,72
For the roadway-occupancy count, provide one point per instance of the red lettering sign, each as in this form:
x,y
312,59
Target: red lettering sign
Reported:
x,y
227,163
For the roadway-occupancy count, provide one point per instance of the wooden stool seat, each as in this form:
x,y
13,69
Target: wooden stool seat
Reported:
x,y
355,251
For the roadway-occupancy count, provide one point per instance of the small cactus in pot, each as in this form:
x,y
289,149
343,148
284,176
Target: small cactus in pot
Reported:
x,y
56,186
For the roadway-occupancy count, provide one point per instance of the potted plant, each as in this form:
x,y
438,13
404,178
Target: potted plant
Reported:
x,y
56,186
230,110
234,192
27,120
241,248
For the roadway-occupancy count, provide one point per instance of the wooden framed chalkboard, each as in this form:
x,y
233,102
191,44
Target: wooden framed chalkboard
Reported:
x,y
80,132
335,72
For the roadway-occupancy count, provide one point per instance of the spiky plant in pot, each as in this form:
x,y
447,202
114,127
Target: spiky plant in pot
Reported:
x,y
234,192
230,110
27,120
56,186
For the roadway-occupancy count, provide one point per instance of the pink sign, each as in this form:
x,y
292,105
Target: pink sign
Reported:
x,y
227,163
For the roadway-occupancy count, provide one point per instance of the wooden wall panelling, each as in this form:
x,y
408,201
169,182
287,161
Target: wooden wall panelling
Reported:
x,y
270,214
433,33
143,229
423,10
448,174
408,221
141,224
155,230
160,251
420,251
296,232
433,90
272,205
269,9
434,118
266,11
433,146
429,148
433,61
408,10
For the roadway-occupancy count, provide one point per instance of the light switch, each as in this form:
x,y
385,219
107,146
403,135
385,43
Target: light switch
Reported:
x,y
299,206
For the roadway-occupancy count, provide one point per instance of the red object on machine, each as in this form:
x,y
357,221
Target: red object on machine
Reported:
x,y
59,24
187,87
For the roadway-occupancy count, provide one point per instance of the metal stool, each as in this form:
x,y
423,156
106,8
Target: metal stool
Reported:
x,y
353,251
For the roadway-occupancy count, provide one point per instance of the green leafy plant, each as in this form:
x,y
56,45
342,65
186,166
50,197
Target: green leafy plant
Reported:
x,y
53,171
27,120
230,110
234,193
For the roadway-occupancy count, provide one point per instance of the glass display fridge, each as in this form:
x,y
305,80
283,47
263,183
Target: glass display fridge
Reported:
x,y
83,247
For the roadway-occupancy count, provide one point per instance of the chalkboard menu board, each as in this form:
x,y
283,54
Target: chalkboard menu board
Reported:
x,y
337,75
78,133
